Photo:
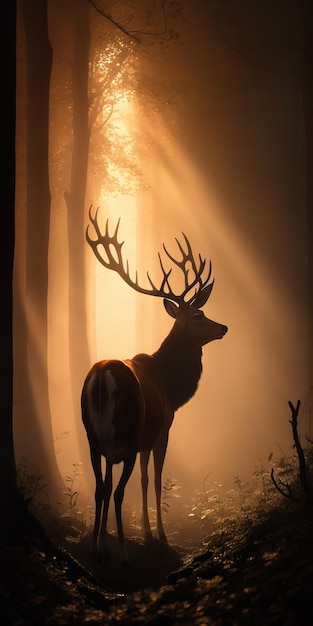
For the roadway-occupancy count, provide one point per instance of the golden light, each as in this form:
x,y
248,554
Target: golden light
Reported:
x,y
161,183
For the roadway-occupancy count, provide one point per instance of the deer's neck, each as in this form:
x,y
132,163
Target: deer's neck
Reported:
x,y
180,367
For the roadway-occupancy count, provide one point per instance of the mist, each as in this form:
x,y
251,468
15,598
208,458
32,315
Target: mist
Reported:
x,y
201,131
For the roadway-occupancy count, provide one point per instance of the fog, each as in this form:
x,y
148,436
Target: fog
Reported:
x,y
209,140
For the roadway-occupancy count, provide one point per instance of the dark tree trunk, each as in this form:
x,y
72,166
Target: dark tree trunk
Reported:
x,y
308,119
8,486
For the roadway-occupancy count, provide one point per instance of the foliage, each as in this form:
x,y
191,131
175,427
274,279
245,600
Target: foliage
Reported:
x,y
169,490
217,513
220,515
76,523
266,580
132,515
71,493
128,91
29,485
214,513
254,564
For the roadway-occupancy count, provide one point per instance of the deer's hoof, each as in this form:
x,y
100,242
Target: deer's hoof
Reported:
x,y
125,561
100,552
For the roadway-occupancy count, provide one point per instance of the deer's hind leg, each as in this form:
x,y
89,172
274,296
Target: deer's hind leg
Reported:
x,y
102,547
99,497
145,524
128,467
159,452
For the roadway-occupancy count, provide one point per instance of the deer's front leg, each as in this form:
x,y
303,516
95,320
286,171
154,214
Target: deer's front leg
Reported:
x,y
159,452
145,524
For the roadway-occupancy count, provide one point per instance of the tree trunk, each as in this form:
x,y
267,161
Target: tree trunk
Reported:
x,y
78,344
308,119
8,486
37,418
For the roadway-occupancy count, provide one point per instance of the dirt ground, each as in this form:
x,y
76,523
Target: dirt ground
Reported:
x,y
263,576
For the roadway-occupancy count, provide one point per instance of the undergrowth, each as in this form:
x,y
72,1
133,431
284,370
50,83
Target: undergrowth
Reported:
x,y
212,515
31,488
270,491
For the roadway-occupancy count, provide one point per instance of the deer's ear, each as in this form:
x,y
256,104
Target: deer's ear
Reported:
x,y
203,295
171,308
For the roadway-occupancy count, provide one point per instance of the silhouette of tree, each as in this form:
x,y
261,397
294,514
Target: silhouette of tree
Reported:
x,y
32,306
8,485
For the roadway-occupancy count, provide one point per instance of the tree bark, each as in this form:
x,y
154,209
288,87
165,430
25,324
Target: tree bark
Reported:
x,y
39,63
75,198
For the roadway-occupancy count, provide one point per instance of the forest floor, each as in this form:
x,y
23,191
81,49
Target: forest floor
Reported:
x,y
259,574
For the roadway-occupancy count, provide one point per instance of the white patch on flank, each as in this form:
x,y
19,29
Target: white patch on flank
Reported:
x,y
102,420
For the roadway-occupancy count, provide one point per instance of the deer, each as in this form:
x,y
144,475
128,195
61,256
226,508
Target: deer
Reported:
x,y
128,406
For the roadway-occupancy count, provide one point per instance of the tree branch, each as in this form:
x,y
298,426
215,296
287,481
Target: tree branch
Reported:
x,y
133,34
116,24
280,489
299,449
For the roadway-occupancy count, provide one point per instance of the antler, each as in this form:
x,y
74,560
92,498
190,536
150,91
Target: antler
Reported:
x,y
114,261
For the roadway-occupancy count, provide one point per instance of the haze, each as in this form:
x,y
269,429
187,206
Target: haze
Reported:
x,y
204,134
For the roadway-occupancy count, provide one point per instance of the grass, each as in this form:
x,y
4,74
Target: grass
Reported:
x,y
212,512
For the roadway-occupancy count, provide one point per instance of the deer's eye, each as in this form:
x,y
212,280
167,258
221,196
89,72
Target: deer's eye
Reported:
x,y
197,316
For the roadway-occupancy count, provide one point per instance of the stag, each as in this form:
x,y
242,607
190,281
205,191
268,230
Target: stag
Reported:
x,y
128,406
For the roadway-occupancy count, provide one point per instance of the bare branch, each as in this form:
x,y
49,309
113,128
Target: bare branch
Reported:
x,y
135,34
299,449
155,33
116,24
285,489
286,494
